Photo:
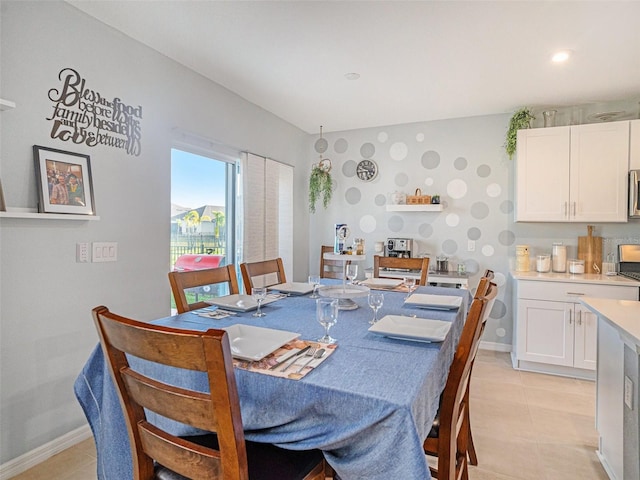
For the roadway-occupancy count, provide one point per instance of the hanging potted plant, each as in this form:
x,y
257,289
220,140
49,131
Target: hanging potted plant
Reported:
x,y
521,119
320,184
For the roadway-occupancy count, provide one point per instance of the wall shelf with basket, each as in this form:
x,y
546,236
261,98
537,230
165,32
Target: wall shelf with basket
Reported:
x,y
414,208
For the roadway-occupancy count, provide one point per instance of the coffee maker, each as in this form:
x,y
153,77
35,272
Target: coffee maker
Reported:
x,y
399,248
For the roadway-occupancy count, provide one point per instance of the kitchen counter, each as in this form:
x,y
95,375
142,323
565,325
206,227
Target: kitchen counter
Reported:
x,y
592,278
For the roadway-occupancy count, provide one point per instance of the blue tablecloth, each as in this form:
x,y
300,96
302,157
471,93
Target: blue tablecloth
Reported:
x,y
368,407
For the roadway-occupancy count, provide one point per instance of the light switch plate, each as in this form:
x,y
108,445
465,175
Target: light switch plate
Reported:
x,y
82,252
104,252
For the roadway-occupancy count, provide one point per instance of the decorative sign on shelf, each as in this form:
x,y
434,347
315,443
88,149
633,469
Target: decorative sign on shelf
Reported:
x,y
84,116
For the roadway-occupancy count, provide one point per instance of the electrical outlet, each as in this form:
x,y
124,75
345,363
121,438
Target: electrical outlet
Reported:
x,y
471,246
82,252
104,252
628,392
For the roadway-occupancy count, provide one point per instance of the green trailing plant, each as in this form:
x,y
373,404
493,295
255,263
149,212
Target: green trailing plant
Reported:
x,y
521,119
320,185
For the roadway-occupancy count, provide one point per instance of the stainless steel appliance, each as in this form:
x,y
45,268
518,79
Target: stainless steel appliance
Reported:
x,y
629,256
634,194
399,248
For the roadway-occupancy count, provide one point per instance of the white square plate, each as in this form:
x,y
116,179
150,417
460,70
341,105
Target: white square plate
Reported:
x,y
382,282
294,288
254,343
440,302
240,303
411,328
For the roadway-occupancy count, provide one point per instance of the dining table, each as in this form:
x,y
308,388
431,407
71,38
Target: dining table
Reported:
x,y
368,406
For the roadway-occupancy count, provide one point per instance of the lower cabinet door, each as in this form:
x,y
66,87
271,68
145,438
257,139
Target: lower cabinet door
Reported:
x,y
586,338
545,332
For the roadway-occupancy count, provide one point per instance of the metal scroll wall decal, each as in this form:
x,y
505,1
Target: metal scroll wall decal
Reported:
x,y
84,116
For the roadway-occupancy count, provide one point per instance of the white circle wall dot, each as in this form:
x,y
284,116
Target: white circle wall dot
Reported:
x,y
398,151
457,188
420,137
488,251
453,220
428,181
383,137
368,223
500,332
494,190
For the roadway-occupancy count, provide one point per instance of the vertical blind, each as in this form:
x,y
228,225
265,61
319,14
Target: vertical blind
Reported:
x,y
267,210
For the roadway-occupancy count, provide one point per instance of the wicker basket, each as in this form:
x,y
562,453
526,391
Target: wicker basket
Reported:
x,y
418,198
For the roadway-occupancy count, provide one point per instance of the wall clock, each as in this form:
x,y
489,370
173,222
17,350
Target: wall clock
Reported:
x,y
366,170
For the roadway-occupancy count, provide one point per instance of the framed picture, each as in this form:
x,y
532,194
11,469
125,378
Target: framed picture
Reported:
x,y
64,181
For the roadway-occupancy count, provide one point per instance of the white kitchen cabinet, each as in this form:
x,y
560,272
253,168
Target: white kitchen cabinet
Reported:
x,y
573,174
553,332
634,153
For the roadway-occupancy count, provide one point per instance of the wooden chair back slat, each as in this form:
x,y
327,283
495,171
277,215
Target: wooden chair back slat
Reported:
x,y
421,264
262,274
180,281
330,268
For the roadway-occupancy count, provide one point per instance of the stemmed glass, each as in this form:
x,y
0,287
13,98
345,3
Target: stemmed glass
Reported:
x,y
352,272
259,294
327,316
376,299
410,283
315,281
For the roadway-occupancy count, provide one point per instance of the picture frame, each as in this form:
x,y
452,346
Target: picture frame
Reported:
x,y
64,181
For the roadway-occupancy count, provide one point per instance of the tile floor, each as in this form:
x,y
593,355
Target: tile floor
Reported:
x,y
525,426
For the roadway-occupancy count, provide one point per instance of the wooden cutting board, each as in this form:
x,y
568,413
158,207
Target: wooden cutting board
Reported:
x,y
590,250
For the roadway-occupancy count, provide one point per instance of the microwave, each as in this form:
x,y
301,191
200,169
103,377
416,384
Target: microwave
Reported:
x,y
634,194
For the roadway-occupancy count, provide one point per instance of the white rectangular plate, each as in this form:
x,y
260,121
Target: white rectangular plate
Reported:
x,y
441,302
294,288
240,303
254,343
411,328
382,282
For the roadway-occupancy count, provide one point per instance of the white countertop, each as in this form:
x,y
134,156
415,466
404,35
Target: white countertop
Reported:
x,y
594,278
624,315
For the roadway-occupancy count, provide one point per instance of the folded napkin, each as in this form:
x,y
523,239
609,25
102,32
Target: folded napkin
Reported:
x,y
283,353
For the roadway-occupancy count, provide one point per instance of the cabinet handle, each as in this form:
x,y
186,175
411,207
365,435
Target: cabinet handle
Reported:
x,y
574,209
565,209
579,321
570,317
575,294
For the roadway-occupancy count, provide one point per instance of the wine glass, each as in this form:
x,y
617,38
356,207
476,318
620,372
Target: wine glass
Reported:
x,y
410,283
352,272
259,294
315,281
327,316
376,299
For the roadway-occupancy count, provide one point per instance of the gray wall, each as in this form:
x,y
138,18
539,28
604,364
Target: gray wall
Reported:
x,y
46,331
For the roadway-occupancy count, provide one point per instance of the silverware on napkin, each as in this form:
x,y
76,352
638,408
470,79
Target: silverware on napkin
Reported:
x,y
290,357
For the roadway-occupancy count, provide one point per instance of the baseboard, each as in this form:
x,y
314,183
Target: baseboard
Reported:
x,y
496,347
38,455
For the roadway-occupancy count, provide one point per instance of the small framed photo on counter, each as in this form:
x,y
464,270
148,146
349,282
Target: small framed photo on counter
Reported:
x,y
64,181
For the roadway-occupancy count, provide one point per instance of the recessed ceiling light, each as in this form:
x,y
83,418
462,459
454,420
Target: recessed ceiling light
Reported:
x,y
561,56
352,76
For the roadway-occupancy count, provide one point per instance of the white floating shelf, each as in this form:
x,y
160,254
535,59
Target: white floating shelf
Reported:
x,y
33,213
6,104
414,208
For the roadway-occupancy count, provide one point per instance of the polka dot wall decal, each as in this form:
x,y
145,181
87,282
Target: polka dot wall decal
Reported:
x,y
457,188
494,190
500,332
398,151
380,200
367,150
401,179
321,145
452,220
353,195
368,223
460,163
349,168
425,230
472,266
430,159
479,210
420,137
499,279
395,223
383,137
506,206
488,251
474,233
449,246
499,309
506,238
483,171
341,145
428,181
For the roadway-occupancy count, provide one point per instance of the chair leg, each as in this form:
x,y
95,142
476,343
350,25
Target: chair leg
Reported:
x,y
471,449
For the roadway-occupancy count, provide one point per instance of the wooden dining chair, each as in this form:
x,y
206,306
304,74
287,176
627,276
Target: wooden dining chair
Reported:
x,y
448,439
262,274
181,281
331,268
421,264
156,453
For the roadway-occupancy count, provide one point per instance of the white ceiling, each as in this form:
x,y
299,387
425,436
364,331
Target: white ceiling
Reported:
x,y
418,60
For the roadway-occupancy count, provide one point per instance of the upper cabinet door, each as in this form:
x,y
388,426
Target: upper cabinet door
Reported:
x,y
542,175
599,170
